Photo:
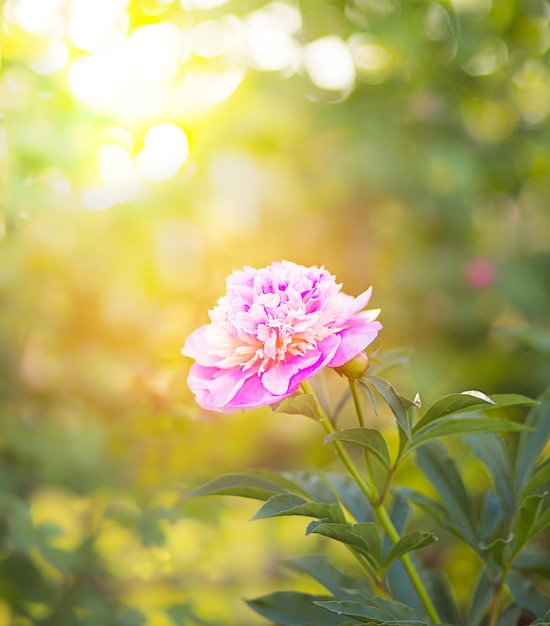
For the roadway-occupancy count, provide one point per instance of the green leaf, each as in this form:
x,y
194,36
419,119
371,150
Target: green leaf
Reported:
x,y
541,524
368,438
526,527
352,497
492,513
289,504
21,531
392,609
328,575
394,400
543,621
259,485
538,482
432,508
363,536
534,561
131,617
526,595
481,599
443,473
370,396
458,403
400,512
315,487
531,444
367,614
64,560
465,426
243,485
492,451
442,597
411,541
299,404
510,615
498,550
291,608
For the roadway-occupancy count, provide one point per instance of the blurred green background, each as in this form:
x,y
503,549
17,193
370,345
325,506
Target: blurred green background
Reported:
x,y
148,148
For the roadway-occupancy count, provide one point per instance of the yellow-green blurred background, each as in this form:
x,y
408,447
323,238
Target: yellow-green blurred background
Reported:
x,y
148,148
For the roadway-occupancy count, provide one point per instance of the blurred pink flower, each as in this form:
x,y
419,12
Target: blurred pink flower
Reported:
x,y
480,273
275,328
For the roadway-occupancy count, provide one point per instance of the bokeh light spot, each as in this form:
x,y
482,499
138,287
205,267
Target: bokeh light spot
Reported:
x,y
93,24
201,4
215,37
372,61
35,16
55,58
165,150
329,64
96,79
154,51
268,38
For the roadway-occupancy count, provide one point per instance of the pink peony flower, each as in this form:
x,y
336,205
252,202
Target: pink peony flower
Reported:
x,y
275,328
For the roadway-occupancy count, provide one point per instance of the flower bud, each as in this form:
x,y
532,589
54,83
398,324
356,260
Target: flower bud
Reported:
x,y
355,367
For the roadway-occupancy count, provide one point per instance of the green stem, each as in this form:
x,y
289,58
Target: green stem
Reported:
x,y
361,419
379,509
387,485
356,401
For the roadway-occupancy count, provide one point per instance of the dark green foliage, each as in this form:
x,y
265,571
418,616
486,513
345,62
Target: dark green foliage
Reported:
x,y
501,525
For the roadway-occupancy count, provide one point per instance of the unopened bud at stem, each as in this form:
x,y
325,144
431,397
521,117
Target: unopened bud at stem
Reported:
x,y
355,367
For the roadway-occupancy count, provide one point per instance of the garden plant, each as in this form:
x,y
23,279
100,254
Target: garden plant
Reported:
x,y
269,337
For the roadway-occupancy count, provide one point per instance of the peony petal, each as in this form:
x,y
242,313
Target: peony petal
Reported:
x,y
197,347
354,340
222,385
253,395
277,378
354,305
328,348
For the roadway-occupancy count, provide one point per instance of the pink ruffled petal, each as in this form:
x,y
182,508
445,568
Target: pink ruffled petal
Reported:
x,y
222,385
328,348
197,347
354,305
277,379
253,395
354,339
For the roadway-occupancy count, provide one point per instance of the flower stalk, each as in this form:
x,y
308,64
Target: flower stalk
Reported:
x,y
378,506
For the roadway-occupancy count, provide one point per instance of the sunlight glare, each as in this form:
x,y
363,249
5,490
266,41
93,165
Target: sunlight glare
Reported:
x,y
201,90
94,23
55,58
372,61
165,150
35,16
268,36
329,64
97,199
154,52
119,178
189,5
96,79
119,136
212,38
115,166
